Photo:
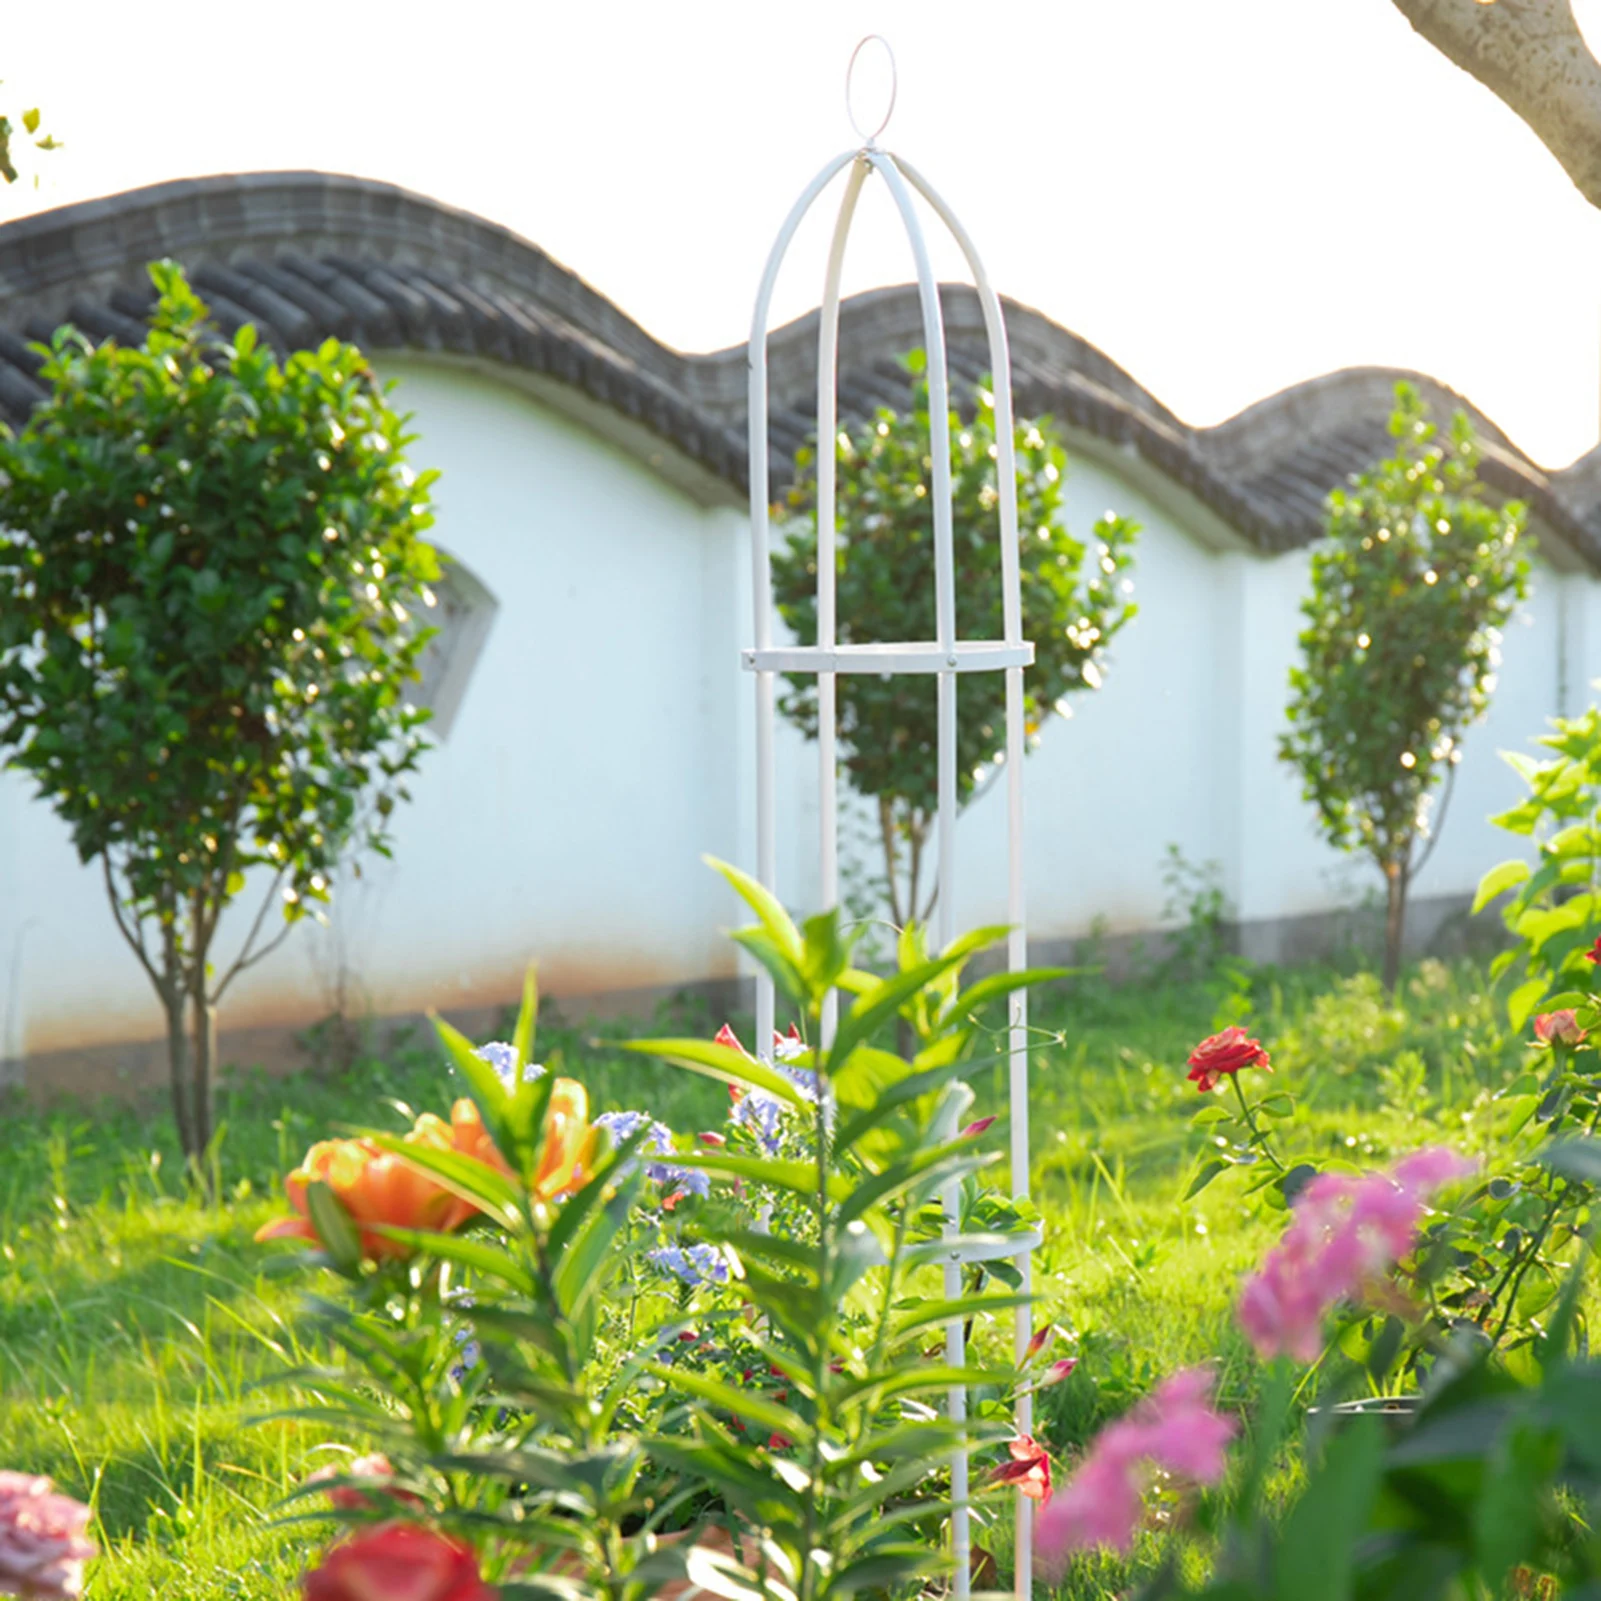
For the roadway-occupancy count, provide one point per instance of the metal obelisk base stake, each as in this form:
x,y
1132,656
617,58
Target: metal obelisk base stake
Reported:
x,y
945,656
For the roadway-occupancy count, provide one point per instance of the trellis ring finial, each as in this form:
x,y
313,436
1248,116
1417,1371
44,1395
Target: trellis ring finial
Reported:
x,y
850,79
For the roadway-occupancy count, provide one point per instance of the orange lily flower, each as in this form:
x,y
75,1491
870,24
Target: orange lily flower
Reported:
x,y
376,1186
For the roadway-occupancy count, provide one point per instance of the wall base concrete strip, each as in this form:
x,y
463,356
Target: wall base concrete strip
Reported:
x,y
1436,926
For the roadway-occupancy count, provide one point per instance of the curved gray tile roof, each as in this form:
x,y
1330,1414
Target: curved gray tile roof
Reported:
x,y
304,255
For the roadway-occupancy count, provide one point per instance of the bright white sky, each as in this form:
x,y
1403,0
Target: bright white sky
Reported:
x,y
1225,195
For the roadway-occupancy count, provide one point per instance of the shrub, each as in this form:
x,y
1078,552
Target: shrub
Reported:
x,y
1415,580
206,595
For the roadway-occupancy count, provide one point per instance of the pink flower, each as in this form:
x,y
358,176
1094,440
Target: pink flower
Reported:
x,y
973,1130
1056,1372
1223,1055
1040,1338
1347,1232
42,1543
1561,1028
1029,1469
347,1497
1100,1506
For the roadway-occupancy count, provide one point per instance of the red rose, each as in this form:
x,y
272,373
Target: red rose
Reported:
x,y
1224,1055
398,1562
1560,1028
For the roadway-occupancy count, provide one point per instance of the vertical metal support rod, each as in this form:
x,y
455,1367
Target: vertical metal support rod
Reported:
x,y
1016,906
827,522
761,569
939,444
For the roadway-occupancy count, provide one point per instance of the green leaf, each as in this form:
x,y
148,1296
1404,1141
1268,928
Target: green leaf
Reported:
x,y
769,910
483,1082
1498,881
491,1261
958,1310
879,1005
527,1020
1523,1000
996,985
1208,1172
722,1062
1317,1549
799,1178
1578,1159
751,1405
487,1188
334,1227
1517,1485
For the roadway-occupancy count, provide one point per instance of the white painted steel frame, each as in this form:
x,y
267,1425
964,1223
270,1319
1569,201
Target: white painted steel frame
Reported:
x,y
946,656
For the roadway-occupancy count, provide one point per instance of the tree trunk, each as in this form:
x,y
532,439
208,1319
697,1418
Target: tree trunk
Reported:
x,y
1395,885
1531,55
886,826
203,1026
178,1066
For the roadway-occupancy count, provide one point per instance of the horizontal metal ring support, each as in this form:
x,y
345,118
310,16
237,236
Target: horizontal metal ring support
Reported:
x,y
914,656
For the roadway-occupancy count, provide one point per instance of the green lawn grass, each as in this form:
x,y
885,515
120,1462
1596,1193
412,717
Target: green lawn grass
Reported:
x,y
137,1326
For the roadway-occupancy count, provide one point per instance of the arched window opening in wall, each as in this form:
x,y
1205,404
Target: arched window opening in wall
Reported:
x,y
463,615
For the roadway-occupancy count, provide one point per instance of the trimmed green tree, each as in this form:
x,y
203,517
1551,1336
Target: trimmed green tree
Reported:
x,y
1074,600
1410,590
211,586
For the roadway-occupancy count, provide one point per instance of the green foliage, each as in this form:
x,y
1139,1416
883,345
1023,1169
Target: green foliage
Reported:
x,y
1487,1487
1552,908
30,121
1416,579
136,1324
1074,601
207,598
534,1399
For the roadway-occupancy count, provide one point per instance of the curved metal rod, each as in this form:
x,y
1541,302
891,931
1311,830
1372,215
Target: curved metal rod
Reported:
x,y
761,575
939,444
1001,376
1016,910
827,485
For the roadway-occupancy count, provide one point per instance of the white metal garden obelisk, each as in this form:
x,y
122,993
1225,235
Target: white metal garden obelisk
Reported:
x,y
946,656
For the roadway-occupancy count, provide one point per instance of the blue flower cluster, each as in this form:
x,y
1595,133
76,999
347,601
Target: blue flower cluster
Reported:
x,y
659,1142
503,1058
690,1264
762,1111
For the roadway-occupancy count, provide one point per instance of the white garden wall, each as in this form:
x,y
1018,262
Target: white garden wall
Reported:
x,y
604,744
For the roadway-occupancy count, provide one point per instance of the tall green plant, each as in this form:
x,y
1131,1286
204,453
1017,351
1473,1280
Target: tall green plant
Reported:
x,y
1074,597
209,606
524,1407
837,1301
1416,578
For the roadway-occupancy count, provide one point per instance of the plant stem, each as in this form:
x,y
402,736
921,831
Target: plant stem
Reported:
x,y
1258,1138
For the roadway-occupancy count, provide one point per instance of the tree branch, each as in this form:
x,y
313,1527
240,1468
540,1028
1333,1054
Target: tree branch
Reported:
x,y
1438,823
1531,55
135,937
248,958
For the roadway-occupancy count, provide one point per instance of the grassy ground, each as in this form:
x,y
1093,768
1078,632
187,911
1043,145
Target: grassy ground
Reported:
x,y
136,1325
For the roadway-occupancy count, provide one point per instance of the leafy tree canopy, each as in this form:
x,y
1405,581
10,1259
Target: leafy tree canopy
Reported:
x,y
1417,578
212,588
1075,598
